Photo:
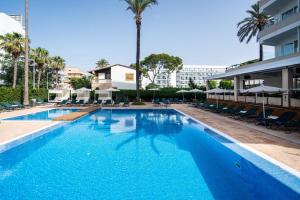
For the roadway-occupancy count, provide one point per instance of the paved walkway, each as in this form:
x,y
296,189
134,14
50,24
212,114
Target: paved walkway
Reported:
x,y
276,144
13,129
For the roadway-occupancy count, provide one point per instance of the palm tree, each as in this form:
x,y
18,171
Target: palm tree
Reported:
x,y
26,71
13,44
102,63
41,58
138,7
250,26
57,63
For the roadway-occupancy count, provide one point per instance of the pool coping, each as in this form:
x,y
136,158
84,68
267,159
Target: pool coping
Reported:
x,y
248,148
8,118
7,145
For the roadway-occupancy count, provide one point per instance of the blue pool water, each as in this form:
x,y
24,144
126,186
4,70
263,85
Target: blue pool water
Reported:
x,y
45,115
139,154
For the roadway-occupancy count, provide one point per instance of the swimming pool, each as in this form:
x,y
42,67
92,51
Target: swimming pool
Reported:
x,y
139,154
45,115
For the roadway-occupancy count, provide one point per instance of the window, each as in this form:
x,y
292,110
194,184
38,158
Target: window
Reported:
x,y
289,13
129,77
289,48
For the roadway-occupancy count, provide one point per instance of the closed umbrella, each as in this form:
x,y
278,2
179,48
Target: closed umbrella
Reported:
x,y
264,89
182,92
196,91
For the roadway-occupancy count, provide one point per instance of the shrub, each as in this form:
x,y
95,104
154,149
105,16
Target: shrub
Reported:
x,y
147,95
138,104
8,94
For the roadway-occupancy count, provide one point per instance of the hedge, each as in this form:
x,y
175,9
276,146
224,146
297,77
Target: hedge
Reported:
x,y
147,95
8,94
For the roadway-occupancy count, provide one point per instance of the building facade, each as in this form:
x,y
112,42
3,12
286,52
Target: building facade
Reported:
x,y
114,76
71,72
198,73
283,33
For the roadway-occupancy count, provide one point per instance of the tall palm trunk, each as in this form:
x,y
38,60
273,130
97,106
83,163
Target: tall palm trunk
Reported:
x,y
138,49
56,81
26,87
261,52
15,73
39,78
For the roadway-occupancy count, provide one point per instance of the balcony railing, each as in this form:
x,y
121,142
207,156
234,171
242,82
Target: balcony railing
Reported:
x,y
263,2
279,25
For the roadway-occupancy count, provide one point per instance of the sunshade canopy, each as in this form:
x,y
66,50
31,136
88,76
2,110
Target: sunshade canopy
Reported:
x,y
216,91
264,89
182,91
196,91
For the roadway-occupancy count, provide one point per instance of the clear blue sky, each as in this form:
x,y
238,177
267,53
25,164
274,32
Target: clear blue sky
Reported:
x,y
82,31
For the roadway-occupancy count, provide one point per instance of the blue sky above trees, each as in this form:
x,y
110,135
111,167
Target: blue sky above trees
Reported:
x,y
198,31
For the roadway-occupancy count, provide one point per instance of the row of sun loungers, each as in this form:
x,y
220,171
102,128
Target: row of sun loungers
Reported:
x,y
110,103
166,102
5,106
286,120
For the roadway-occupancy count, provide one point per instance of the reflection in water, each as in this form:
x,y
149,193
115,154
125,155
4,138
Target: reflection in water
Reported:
x,y
151,124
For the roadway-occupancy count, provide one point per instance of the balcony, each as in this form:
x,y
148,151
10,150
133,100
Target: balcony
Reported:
x,y
271,6
263,66
102,84
263,2
281,27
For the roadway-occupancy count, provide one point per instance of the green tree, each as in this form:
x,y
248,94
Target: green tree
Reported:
x,y
250,26
57,63
138,7
151,86
192,84
212,84
78,83
41,58
226,84
153,65
102,63
13,44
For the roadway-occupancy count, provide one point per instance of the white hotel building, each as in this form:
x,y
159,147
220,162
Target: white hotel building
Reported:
x,y
181,78
282,71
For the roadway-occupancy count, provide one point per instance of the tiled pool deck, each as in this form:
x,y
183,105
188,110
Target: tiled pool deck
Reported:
x,y
276,144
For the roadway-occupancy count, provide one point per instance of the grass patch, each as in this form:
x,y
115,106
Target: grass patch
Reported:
x,y
138,104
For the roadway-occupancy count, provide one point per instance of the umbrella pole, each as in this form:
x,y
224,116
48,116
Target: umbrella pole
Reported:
x,y
264,112
153,96
195,97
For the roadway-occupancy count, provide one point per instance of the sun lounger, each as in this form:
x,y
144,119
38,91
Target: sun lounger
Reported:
x,y
80,102
126,103
250,112
107,103
282,120
63,103
8,106
117,103
98,102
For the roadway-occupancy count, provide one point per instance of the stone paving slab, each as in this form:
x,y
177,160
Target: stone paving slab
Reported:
x,y
10,130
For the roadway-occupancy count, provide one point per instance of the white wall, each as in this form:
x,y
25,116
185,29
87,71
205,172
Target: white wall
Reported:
x,y
118,77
